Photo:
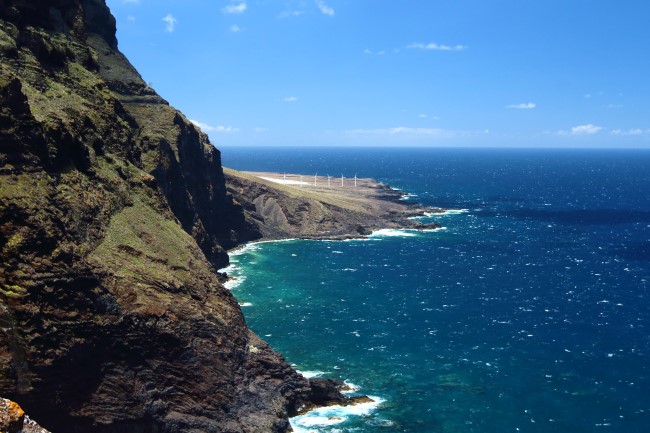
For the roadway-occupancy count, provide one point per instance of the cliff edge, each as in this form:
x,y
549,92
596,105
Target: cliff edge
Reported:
x,y
113,216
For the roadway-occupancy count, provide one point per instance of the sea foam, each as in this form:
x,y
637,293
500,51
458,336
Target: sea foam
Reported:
x,y
324,417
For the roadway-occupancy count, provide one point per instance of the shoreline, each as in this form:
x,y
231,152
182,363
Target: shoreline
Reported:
x,y
391,214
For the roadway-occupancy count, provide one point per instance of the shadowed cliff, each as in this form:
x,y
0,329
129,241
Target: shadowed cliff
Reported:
x,y
113,216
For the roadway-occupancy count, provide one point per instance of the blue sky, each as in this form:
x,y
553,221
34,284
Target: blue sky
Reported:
x,y
558,73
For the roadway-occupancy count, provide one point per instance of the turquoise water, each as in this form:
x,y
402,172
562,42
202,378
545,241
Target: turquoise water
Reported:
x,y
528,312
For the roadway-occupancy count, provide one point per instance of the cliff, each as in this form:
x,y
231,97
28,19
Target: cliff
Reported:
x,y
113,216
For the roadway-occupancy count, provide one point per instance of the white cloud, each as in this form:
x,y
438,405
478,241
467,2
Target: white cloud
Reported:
x,y
631,132
219,128
436,47
204,126
258,129
588,129
290,99
130,18
523,106
235,8
171,23
402,130
235,28
613,106
326,10
226,129
585,129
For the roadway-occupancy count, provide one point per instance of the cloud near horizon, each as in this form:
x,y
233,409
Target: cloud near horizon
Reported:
x,y
432,46
523,106
587,129
290,99
208,128
402,130
631,132
170,23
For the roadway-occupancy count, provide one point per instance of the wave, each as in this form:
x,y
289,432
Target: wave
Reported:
x,y
454,211
332,415
234,282
391,233
444,212
253,246
310,374
408,196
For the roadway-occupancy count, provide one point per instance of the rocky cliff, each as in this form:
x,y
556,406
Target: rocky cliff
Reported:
x,y
113,216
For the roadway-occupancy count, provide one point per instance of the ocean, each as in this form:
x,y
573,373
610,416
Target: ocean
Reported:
x,y
528,312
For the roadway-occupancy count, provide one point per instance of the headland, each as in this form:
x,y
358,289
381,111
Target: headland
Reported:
x,y
282,205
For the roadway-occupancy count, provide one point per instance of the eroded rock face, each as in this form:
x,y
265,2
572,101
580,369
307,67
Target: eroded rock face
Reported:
x,y
113,217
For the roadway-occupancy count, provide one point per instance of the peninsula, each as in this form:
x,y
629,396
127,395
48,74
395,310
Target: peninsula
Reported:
x,y
282,205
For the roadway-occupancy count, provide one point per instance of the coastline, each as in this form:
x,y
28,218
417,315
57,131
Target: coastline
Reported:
x,y
384,212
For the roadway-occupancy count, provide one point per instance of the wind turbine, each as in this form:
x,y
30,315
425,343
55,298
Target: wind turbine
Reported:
x,y
315,178
355,180
342,179
329,181
284,176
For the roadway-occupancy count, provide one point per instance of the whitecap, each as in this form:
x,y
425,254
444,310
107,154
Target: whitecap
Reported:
x,y
332,415
391,233
350,387
453,212
253,246
245,304
408,196
234,282
229,269
310,374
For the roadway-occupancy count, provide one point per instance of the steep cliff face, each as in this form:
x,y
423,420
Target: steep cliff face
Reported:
x,y
113,216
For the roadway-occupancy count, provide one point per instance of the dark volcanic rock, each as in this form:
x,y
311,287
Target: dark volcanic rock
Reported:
x,y
113,216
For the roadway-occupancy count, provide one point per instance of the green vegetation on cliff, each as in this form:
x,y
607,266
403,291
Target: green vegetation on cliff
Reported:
x,y
114,215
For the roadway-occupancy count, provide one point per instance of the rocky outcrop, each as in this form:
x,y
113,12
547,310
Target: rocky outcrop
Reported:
x,y
113,216
14,420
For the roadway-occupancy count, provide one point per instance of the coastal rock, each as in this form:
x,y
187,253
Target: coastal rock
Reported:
x,y
14,420
114,215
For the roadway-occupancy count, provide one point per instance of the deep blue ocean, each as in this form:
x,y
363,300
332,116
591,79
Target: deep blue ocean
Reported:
x,y
529,312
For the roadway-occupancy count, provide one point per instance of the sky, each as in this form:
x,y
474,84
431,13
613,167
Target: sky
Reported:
x,y
524,73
